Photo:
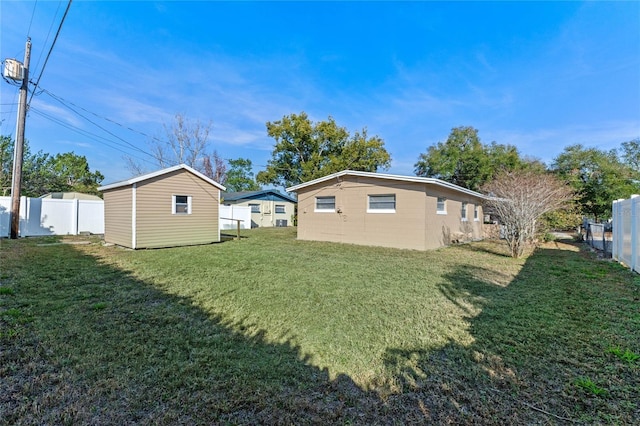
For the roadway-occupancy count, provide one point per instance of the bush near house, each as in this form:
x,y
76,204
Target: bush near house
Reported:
x,y
269,329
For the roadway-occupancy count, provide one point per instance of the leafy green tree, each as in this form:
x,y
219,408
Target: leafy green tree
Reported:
x,y
464,160
305,150
43,173
598,177
240,176
631,155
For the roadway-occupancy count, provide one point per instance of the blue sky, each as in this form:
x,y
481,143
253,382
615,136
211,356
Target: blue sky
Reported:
x,y
540,76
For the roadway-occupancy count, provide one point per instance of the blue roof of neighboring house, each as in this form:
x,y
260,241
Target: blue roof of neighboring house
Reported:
x,y
263,195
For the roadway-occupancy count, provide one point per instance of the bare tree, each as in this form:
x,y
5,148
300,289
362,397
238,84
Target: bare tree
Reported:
x,y
186,142
519,199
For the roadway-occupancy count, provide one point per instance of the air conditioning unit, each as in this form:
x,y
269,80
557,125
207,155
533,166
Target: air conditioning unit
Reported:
x,y
13,69
281,223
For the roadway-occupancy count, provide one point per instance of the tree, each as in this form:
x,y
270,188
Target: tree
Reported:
x,y
43,173
519,199
464,160
240,176
631,155
305,150
597,176
186,142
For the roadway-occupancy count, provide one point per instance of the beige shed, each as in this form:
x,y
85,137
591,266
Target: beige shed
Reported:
x,y
170,207
387,210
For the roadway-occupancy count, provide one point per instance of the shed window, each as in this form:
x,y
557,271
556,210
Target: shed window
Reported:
x,y
325,204
382,203
280,208
442,205
181,204
255,208
475,212
463,212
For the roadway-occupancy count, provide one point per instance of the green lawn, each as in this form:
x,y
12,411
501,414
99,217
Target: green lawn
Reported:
x,y
274,330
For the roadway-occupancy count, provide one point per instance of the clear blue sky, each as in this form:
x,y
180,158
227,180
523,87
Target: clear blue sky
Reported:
x,y
536,75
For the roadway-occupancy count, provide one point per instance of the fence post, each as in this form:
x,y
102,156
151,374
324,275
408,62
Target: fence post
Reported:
x,y
74,224
635,237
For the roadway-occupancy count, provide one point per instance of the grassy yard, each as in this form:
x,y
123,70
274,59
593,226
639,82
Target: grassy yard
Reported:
x,y
274,330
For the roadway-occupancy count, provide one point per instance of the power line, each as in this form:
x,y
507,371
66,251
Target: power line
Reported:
x,y
33,12
100,139
50,50
96,124
53,21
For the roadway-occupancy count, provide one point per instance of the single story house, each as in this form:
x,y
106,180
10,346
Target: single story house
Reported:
x,y
268,207
170,207
387,210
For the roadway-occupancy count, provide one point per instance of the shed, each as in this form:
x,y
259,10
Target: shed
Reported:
x,y
387,210
269,207
175,206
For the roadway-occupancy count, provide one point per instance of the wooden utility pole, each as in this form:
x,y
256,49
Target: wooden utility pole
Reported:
x,y
18,148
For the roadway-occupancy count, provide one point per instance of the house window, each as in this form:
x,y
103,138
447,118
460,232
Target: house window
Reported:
x,y
463,212
475,213
181,204
442,205
325,204
280,208
255,208
382,204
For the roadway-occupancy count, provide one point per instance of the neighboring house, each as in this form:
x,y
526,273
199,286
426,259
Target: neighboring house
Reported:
x,y
170,207
268,207
387,210
70,196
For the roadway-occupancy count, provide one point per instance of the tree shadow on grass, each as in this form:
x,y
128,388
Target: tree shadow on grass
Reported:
x,y
533,339
98,346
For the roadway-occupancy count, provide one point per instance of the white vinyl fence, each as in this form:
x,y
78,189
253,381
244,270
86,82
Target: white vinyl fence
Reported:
x,y
242,213
626,232
46,216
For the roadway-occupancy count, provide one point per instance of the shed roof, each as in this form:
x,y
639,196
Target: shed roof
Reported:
x,y
71,196
160,173
384,176
265,194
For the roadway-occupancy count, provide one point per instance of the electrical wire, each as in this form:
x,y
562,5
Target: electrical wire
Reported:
x,y
46,41
100,139
33,12
49,53
97,125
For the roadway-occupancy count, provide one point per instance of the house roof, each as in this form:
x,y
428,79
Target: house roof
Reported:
x,y
71,196
265,194
384,176
160,173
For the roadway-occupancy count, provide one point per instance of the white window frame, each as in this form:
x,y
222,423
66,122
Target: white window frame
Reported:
x,y
257,206
379,210
321,210
444,205
463,211
476,213
175,204
279,207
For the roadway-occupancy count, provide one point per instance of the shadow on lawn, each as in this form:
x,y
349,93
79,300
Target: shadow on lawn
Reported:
x,y
100,346
104,347
533,338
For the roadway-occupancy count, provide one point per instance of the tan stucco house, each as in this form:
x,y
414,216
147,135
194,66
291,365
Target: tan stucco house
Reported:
x,y
269,207
386,210
170,207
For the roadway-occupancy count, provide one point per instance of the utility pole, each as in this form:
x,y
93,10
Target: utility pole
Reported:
x,y
18,149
